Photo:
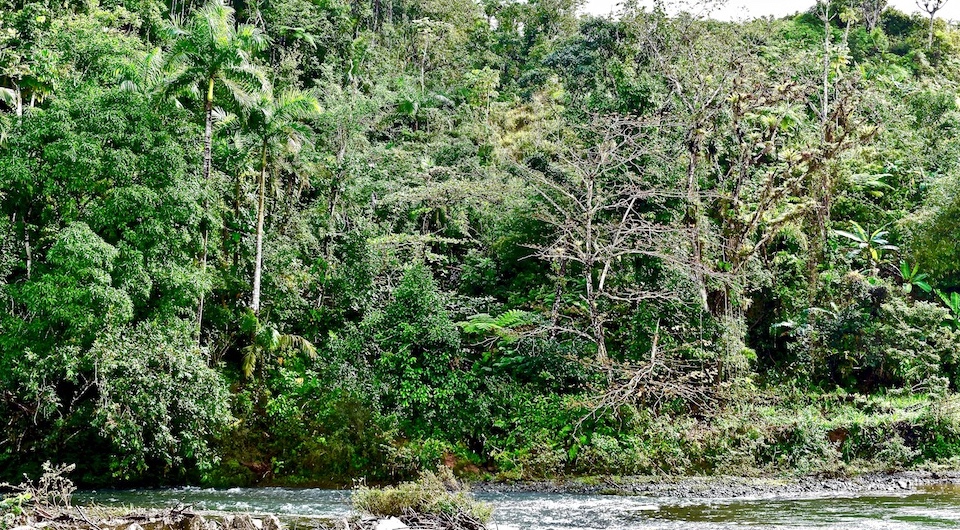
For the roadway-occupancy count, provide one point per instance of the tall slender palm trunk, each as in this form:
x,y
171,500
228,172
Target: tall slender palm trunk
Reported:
x,y
18,102
208,131
693,215
261,213
207,155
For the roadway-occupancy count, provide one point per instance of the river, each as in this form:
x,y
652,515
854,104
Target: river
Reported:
x,y
933,507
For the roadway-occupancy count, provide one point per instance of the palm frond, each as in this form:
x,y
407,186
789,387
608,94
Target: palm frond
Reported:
x,y
252,38
298,105
297,343
248,362
8,96
223,119
246,83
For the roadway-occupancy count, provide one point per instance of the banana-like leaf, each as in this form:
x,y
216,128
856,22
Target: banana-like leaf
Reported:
x,y
849,235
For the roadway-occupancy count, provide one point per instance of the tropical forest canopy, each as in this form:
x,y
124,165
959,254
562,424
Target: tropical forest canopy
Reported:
x,y
304,241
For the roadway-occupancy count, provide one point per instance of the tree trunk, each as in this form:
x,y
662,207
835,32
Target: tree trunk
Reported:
x,y
205,236
558,297
261,207
334,196
27,249
332,200
208,131
423,70
18,101
693,217
826,67
596,322
236,219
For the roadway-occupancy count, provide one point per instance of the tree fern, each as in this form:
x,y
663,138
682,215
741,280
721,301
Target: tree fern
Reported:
x,y
503,327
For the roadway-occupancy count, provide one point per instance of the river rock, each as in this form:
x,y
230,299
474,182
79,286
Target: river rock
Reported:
x,y
391,523
189,522
133,526
271,522
240,522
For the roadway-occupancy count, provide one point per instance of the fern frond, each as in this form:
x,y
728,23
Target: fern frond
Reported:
x,y
477,324
297,343
249,361
514,318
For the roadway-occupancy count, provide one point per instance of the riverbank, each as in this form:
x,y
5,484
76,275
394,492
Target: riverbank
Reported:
x,y
903,510
770,432
920,501
729,487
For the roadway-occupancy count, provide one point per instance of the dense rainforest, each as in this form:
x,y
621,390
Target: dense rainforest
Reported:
x,y
308,241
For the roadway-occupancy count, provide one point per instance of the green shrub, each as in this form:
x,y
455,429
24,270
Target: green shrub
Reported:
x,y
938,432
141,401
433,494
416,357
159,403
305,428
408,458
878,338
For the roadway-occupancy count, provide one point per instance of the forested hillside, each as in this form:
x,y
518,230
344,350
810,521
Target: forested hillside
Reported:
x,y
306,241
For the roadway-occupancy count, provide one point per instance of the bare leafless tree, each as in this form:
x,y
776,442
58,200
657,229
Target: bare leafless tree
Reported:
x,y
595,199
760,139
699,68
931,7
662,378
872,9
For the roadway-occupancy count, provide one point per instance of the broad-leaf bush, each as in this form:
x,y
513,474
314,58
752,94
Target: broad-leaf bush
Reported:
x,y
160,405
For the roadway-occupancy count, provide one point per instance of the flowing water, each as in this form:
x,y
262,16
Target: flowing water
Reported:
x,y
935,507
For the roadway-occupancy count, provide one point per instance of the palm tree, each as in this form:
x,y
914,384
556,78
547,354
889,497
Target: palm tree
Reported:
x,y
212,50
32,74
278,126
209,52
145,76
